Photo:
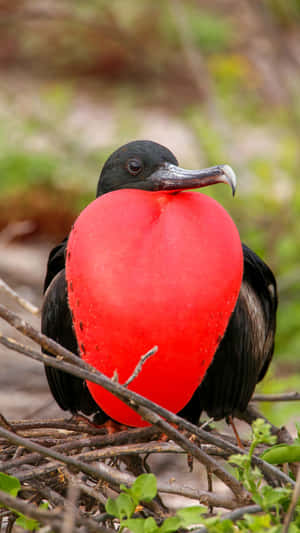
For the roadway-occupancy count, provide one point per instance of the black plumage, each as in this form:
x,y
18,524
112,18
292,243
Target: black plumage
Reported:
x,y
244,353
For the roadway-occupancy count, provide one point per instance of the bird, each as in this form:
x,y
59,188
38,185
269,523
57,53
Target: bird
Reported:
x,y
245,350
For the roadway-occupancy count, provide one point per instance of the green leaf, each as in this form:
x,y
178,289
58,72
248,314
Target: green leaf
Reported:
x,y
191,515
239,460
126,506
150,526
282,453
258,522
262,432
293,528
136,525
226,526
272,496
122,506
170,524
9,484
44,505
27,523
144,488
111,508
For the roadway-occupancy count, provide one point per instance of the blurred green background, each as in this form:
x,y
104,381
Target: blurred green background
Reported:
x,y
216,81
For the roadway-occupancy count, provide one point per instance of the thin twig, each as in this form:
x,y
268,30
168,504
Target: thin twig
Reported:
x,y
4,423
69,519
285,397
234,515
96,494
140,364
19,299
239,513
294,502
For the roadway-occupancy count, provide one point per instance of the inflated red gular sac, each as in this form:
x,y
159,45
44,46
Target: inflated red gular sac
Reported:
x,y
150,263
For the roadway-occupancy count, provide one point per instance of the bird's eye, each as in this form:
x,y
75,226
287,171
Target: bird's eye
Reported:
x,y
134,166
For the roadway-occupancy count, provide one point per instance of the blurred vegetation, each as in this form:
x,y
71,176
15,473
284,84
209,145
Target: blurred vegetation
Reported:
x,y
238,97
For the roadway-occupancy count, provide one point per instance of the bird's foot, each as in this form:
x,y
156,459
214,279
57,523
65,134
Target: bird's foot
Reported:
x,y
113,427
109,426
164,437
80,419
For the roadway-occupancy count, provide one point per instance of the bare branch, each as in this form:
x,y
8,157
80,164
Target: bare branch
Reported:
x,y
140,364
96,494
285,397
69,519
19,299
294,502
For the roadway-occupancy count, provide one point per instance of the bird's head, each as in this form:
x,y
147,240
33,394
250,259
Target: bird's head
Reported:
x,y
149,166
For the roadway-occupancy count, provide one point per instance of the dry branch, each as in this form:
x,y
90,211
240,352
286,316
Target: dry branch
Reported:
x,y
284,397
28,306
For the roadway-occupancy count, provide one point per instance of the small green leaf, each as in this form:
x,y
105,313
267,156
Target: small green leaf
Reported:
x,y
136,525
258,522
44,505
191,515
226,526
111,508
150,526
239,460
126,506
170,524
282,453
9,484
27,523
144,488
122,506
262,432
272,496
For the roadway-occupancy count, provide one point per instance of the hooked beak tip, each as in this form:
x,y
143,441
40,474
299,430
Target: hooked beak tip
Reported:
x,y
231,177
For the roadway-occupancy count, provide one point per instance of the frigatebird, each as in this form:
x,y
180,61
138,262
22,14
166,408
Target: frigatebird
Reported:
x,y
245,351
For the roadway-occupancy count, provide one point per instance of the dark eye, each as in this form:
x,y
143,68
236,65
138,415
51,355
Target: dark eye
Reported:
x,y
134,166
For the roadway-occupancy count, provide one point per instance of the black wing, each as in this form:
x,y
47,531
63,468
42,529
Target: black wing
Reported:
x,y
70,392
56,262
246,349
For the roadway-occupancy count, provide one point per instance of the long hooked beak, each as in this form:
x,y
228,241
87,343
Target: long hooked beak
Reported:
x,y
169,177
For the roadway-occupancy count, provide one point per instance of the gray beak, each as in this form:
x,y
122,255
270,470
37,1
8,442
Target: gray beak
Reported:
x,y
169,177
